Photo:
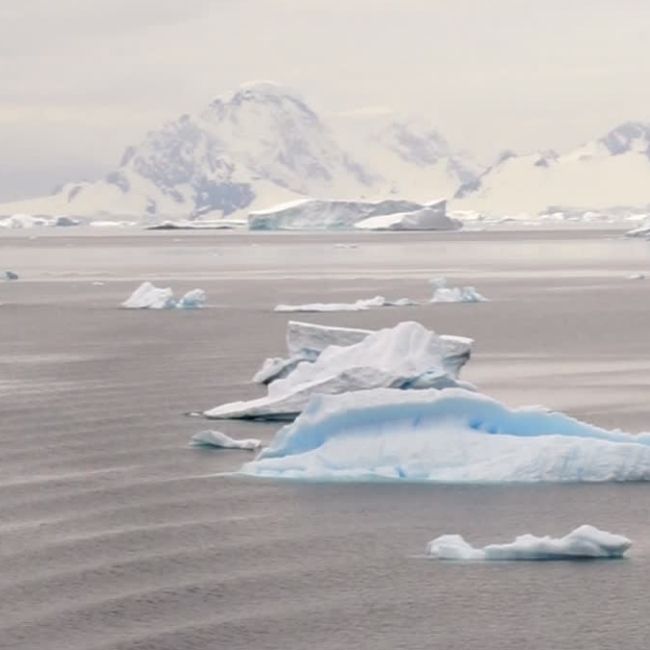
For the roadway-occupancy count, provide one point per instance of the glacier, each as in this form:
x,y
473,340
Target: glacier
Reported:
x,y
443,293
585,542
335,214
358,305
305,342
218,439
446,436
148,296
407,356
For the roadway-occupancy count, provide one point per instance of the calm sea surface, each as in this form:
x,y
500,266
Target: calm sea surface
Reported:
x,y
114,534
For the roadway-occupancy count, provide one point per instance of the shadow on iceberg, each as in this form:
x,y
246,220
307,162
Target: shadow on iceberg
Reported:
x,y
448,436
407,356
305,342
585,542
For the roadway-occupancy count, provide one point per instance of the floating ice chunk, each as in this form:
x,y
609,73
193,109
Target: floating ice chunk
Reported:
x,y
642,232
583,542
9,275
194,299
211,438
448,436
305,342
637,276
359,305
64,221
429,218
147,296
407,356
443,293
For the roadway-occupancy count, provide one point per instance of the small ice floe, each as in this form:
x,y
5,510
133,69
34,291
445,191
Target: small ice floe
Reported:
x,y
407,356
346,245
359,305
443,293
9,275
637,276
212,438
194,299
585,542
148,296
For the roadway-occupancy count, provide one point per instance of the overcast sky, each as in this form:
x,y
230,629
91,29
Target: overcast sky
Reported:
x,y
82,79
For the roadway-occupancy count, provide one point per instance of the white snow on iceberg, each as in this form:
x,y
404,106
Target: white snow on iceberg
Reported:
x,y
212,438
305,342
448,436
443,293
148,296
407,356
583,542
324,214
431,217
359,305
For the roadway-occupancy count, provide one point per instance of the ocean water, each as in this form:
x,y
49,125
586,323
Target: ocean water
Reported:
x,y
114,534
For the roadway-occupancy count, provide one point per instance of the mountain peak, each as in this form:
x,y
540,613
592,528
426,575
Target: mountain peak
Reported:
x,y
629,136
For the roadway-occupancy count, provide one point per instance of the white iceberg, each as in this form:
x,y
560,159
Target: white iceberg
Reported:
x,y
432,217
305,342
407,356
9,275
148,296
642,232
212,438
358,305
324,214
194,299
443,293
448,436
583,542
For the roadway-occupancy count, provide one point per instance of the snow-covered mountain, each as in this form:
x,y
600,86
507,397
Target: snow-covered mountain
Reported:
x,y
608,173
250,148
415,160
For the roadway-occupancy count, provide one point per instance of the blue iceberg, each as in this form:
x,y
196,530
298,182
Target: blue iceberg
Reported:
x,y
447,436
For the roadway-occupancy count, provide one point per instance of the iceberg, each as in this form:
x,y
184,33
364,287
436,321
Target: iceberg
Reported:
x,y
585,542
148,296
305,342
9,275
432,217
443,293
21,221
359,305
331,214
642,232
446,436
407,356
211,438
194,299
